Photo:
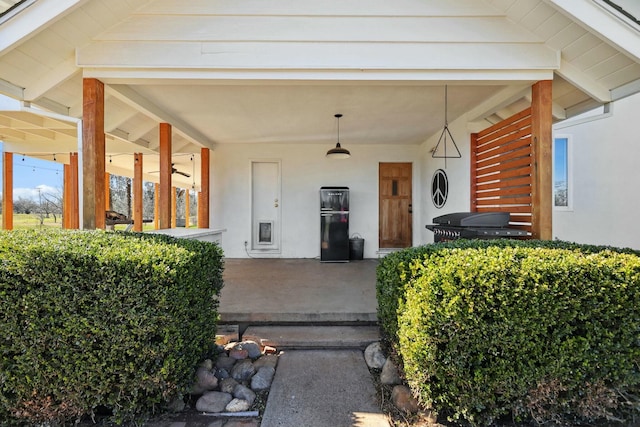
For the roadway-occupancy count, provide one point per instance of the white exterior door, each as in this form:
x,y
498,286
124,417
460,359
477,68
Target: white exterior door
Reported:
x,y
265,207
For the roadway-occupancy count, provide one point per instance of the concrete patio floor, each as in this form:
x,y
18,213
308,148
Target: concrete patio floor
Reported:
x,y
298,291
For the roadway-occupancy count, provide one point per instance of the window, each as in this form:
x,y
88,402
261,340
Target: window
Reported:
x,y
562,183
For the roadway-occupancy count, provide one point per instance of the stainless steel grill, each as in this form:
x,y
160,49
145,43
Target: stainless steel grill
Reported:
x,y
473,225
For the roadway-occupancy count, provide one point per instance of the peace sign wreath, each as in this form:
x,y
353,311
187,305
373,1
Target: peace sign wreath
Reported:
x,y
439,188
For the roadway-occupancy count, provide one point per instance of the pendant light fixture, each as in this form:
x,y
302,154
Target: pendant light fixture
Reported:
x,y
443,137
338,152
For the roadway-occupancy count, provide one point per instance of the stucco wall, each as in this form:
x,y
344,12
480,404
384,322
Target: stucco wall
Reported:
x,y
304,170
606,177
457,171
605,159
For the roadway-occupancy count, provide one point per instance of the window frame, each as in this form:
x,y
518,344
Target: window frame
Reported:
x,y
569,171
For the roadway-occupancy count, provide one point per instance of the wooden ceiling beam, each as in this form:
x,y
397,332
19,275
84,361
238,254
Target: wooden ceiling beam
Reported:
x,y
134,99
583,82
55,77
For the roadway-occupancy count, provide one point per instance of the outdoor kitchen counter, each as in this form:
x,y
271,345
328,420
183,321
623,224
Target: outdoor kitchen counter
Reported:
x,y
203,234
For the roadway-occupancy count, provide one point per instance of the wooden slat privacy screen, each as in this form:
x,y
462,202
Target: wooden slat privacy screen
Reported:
x,y
501,169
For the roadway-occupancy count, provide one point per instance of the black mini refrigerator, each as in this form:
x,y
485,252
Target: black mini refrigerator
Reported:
x,y
334,224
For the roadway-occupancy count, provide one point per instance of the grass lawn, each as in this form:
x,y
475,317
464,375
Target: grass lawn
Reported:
x,y
22,221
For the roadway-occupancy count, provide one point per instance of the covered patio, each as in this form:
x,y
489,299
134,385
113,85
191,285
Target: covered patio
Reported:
x,y
241,96
263,291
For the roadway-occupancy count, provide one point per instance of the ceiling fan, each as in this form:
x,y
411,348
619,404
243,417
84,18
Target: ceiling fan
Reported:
x,y
174,170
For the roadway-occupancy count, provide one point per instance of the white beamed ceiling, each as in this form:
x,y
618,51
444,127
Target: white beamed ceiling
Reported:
x,y
248,71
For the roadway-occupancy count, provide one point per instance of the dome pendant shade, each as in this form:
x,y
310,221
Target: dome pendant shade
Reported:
x,y
338,152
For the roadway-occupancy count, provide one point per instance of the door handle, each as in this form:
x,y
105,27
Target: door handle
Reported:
x,y
275,203
410,208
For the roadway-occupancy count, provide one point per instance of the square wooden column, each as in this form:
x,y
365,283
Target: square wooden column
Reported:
x,y
7,191
203,199
137,192
164,204
66,197
174,207
187,208
107,191
541,150
473,158
75,191
93,152
156,205
71,218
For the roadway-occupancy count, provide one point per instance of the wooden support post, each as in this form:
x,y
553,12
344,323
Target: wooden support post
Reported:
x,y
137,192
107,191
473,153
156,206
174,207
187,208
70,195
7,191
66,197
203,199
74,202
165,176
541,142
93,152
199,211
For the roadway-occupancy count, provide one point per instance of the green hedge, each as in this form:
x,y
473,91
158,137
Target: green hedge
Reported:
x,y
548,331
395,270
101,319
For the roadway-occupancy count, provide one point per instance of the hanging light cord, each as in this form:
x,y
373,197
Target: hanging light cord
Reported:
x,y
446,106
443,135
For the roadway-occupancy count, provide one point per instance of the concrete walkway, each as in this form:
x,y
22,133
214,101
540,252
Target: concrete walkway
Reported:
x,y
313,337
313,388
321,388
321,379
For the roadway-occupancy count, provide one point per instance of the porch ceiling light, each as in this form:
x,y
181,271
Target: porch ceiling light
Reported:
x,y
338,152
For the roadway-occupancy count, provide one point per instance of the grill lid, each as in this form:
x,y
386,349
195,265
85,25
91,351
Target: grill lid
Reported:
x,y
474,219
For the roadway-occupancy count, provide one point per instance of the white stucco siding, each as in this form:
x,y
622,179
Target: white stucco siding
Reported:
x,y
606,178
304,169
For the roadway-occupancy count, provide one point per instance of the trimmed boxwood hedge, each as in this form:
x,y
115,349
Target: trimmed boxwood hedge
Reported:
x,y
395,270
548,331
94,319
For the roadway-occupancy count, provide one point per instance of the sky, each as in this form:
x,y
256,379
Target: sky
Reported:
x,y
30,174
560,161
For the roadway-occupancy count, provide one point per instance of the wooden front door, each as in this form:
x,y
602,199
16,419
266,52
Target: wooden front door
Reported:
x,y
395,204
